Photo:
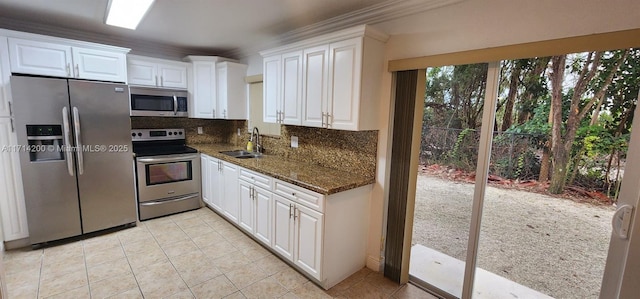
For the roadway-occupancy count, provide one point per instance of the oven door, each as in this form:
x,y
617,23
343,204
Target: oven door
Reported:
x,y
167,176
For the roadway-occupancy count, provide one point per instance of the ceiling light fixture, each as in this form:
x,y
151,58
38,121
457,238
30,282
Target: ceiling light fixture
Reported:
x,y
127,13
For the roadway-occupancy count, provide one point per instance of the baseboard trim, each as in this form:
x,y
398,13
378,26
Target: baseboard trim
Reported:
x,y
15,244
374,263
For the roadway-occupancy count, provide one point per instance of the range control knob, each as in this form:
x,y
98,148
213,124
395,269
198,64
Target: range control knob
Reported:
x,y
133,134
170,133
139,134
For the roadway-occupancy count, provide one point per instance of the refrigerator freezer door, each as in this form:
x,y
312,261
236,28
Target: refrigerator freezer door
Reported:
x,y
106,185
51,193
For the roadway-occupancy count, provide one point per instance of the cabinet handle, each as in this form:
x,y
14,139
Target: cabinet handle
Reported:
x,y
161,81
224,113
329,122
323,114
77,71
214,112
295,213
290,209
10,109
12,128
281,117
156,80
68,70
293,193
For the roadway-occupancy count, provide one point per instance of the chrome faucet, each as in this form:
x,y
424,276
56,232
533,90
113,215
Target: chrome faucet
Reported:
x,y
258,145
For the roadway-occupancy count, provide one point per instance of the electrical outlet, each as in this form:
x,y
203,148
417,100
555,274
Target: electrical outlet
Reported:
x,y
294,141
200,130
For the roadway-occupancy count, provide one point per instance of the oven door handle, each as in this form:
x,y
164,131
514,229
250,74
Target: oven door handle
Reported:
x,y
159,202
168,158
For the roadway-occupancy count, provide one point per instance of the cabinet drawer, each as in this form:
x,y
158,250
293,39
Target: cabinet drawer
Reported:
x,y
256,179
300,195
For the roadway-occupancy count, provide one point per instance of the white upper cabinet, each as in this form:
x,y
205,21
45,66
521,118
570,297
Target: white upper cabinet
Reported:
x,y
203,89
283,88
40,58
272,76
343,98
62,59
173,75
99,65
231,90
147,71
5,74
218,89
314,98
340,80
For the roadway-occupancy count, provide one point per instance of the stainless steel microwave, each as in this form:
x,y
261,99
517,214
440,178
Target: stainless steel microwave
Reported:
x,y
158,102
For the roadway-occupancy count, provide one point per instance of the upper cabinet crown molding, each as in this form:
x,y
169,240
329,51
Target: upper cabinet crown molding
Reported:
x,y
357,31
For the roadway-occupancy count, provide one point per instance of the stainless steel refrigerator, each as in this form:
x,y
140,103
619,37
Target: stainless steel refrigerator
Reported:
x,y
75,155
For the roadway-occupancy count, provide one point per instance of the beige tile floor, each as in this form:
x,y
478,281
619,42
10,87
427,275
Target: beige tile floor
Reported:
x,y
190,255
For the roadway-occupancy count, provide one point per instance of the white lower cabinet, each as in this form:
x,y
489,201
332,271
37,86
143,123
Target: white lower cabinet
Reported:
x,y
229,187
324,236
255,205
283,227
12,205
307,240
213,184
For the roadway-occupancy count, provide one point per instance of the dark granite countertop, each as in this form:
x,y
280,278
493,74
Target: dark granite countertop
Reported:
x,y
317,178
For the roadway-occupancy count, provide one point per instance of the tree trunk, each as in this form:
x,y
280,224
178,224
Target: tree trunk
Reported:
x,y
560,158
558,179
507,120
544,164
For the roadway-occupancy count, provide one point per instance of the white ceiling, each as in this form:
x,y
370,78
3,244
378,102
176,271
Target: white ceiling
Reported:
x,y
232,27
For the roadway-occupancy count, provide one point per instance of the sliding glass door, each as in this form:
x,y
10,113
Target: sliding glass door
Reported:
x,y
533,218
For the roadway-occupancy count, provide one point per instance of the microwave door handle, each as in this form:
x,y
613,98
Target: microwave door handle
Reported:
x,y
76,127
175,105
67,140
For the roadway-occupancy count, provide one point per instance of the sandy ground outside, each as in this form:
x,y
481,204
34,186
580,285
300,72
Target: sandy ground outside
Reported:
x,y
555,246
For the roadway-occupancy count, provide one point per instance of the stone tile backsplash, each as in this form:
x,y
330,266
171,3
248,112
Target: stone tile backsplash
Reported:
x,y
337,149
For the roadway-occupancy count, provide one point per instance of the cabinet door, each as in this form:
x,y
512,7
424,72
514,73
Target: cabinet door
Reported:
x,y
140,72
247,206
271,89
343,101
99,65
173,76
230,199
308,240
283,226
40,58
216,193
5,74
206,187
314,85
204,89
222,92
262,212
12,205
292,88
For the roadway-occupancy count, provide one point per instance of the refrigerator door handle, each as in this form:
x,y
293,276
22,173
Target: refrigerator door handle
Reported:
x,y
67,139
76,127
175,105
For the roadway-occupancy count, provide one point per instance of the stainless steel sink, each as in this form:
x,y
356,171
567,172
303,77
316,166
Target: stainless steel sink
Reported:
x,y
242,154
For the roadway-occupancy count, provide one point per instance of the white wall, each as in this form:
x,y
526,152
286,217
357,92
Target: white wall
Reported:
x,y
476,24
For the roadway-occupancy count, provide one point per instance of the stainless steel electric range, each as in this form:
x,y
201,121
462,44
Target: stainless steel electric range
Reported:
x,y
168,172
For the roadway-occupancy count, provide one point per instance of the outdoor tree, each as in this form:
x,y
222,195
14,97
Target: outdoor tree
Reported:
x,y
563,137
